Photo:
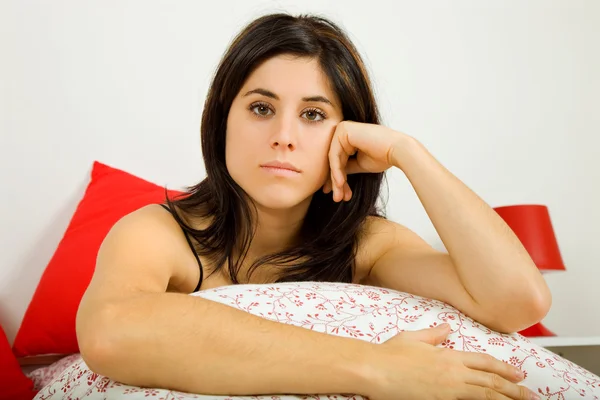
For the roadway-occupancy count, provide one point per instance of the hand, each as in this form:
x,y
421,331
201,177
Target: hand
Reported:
x,y
409,366
373,146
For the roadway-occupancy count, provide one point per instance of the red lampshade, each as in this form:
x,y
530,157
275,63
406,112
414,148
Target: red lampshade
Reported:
x,y
532,225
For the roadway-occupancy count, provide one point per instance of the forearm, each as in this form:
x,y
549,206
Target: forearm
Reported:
x,y
490,260
195,345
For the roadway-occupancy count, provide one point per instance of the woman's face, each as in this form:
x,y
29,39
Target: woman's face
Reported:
x,y
286,112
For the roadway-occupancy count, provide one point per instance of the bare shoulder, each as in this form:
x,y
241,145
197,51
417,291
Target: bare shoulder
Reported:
x,y
373,240
377,237
146,250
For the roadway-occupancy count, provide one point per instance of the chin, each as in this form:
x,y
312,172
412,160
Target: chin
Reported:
x,y
279,198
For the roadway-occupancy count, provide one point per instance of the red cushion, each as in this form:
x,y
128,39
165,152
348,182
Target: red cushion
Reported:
x,y
48,326
14,385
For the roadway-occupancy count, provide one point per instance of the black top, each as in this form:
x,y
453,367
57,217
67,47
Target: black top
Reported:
x,y
187,237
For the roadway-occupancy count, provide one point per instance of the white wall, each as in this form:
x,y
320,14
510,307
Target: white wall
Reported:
x,y
504,93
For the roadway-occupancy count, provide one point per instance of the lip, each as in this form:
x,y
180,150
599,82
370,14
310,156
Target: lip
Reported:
x,y
280,165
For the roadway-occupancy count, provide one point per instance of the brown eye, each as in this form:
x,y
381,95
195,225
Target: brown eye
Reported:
x,y
260,110
314,115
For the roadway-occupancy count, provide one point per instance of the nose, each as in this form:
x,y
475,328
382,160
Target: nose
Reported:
x,y
285,135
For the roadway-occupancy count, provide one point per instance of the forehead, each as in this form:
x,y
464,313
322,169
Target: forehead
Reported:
x,y
292,77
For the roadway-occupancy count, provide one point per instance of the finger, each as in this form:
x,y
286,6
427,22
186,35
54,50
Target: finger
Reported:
x,y
433,336
333,187
337,162
327,186
488,363
339,152
471,392
334,184
499,384
338,194
347,192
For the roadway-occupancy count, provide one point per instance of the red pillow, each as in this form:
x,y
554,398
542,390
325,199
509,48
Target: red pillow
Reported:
x,y
48,326
14,385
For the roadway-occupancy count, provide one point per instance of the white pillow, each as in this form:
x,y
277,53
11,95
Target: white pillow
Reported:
x,y
363,312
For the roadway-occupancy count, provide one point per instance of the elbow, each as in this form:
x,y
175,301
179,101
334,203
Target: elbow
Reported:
x,y
537,307
535,302
525,313
95,339
543,302
97,355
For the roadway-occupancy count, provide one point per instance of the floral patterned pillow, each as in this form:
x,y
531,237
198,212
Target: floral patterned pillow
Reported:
x,y
362,312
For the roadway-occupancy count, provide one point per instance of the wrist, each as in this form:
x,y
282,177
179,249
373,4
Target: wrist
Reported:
x,y
406,151
360,371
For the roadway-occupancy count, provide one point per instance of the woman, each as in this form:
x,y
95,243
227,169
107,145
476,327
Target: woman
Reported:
x,y
294,156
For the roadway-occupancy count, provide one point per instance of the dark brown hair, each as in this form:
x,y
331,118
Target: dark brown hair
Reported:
x,y
330,230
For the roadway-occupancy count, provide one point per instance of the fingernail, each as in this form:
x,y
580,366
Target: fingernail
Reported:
x,y
445,325
519,374
534,396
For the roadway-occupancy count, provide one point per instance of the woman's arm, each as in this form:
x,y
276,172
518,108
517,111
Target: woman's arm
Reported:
x,y
487,271
489,259
130,330
190,344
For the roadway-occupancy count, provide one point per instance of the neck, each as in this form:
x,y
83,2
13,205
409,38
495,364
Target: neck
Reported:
x,y
277,229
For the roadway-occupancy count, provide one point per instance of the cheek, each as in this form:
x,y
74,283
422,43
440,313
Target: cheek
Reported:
x,y
239,143
238,153
319,157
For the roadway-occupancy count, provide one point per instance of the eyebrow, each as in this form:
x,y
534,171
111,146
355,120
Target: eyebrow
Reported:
x,y
268,93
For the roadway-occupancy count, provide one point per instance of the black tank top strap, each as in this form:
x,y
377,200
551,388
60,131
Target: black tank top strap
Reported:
x,y
187,237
